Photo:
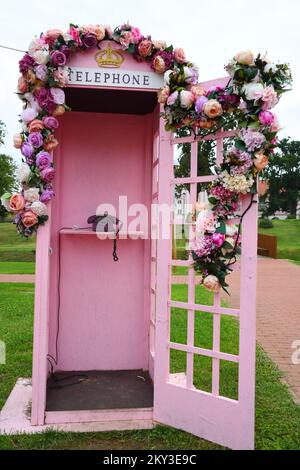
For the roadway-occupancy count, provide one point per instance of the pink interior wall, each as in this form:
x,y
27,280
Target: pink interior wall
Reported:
x,y
104,314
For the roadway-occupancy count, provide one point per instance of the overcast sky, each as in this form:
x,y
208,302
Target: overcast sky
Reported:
x,y
211,32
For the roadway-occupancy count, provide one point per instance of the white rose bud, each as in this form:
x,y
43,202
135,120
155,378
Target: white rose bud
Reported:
x,y
212,283
39,208
32,194
23,173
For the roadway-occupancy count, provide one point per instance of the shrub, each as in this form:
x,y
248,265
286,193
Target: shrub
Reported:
x,y
265,223
291,216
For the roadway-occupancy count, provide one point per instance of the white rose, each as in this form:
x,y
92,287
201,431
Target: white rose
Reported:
x,y
41,56
231,230
186,99
23,173
270,67
253,91
167,77
212,283
5,198
32,194
39,208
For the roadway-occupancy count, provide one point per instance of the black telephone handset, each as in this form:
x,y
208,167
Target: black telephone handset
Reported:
x,y
106,223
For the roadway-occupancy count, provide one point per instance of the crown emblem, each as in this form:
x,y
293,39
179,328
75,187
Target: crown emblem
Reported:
x,y
109,57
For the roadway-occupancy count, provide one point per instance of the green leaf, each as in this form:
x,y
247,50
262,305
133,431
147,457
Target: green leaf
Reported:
x,y
221,228
240,145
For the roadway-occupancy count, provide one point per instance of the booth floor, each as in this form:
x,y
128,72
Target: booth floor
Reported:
x,y
99,390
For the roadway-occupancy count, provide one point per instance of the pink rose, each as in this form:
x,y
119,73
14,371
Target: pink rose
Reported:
x,y
172,98
179,55
74,33
145,48
266,118
163,94
58,95
29,219
136,35
126,39
218,239
269,98
275,126
186,99
212,283
16,202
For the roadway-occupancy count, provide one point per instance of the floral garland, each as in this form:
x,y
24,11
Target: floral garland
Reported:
x,y
254,88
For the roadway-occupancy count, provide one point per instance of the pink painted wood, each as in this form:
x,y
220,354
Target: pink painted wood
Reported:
x,y
177,403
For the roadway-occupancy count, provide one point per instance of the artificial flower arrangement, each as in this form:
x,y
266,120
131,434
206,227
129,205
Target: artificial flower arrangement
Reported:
x,y
254,87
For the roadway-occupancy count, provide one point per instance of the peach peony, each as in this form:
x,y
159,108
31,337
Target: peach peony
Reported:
x,y
50,143
29,219
16,202
59,111
36,126
212,109
260,161
22,85
158,64
163,94
245,57
197,91
18,141
212,283
54,33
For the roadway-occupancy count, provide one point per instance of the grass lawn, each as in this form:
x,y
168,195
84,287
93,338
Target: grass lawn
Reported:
x,y
13,247
277,417
17,267
288,238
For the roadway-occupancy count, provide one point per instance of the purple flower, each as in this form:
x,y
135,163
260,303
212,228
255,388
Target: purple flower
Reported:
x,y
89,40
241,162
200,103
47,174
58,58
27,149
35,139
26,63
58,95
45,100
50,122
41,72
65,50
47,195
43,160
253,139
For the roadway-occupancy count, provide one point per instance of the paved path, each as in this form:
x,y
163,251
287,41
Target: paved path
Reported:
x,y
17,278
278,313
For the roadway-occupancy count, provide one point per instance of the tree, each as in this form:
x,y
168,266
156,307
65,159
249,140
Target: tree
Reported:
x,y
7,172
283,175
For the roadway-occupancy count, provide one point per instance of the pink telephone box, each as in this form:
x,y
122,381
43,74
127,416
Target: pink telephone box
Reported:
x,y
102,326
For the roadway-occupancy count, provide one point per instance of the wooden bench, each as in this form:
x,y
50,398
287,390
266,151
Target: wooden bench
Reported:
x,y
267,245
